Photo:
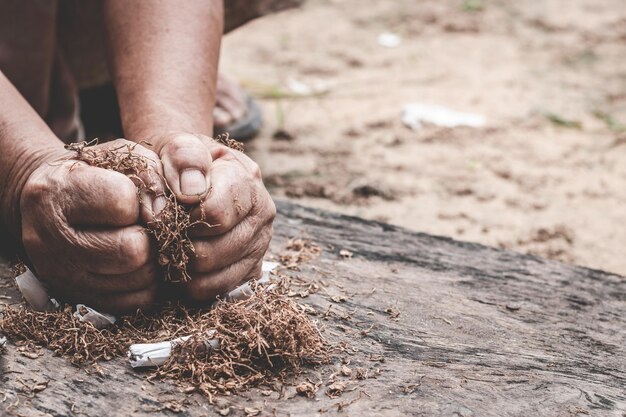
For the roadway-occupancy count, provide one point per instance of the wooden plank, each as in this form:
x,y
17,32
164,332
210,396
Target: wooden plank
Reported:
x,y
481,332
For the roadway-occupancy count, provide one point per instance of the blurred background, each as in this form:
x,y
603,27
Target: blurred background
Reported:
x,y
540,169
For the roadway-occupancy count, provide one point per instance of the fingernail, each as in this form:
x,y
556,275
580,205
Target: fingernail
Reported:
x,y
192,182
158,204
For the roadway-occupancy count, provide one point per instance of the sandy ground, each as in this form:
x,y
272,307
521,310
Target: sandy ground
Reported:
x,y
553,186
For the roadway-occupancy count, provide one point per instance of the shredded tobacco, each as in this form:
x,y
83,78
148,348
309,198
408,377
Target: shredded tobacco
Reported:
x,y
299,251
170,227
62,333
261,340
225,139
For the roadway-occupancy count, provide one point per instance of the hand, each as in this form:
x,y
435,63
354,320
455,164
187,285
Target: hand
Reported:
x,y
226,191
80,231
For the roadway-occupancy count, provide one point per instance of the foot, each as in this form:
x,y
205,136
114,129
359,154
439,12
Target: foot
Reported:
x,y
231,103
235,112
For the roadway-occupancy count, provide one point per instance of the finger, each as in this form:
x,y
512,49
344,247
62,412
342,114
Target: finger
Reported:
x,y
110,252
117,303
139,279
148,176
247,239
186,165
228,203
208,286
97,196
133,281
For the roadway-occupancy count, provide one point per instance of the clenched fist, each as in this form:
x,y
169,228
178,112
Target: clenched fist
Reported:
x,y
224,189
81,232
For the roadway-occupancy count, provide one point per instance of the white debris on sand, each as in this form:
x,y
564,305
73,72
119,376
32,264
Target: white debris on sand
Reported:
x,y
244,291
414,114
389,40
310,88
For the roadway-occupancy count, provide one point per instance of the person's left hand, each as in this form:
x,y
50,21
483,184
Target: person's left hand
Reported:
x,y
226,191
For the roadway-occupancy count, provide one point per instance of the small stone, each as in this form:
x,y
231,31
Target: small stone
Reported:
x,y
361,373
513,306
345,254
306,389
335,389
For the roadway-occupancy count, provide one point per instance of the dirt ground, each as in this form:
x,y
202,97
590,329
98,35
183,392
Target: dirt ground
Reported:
x,y
546,175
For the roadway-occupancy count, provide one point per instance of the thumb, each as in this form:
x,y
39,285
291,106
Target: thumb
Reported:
x,y
186,164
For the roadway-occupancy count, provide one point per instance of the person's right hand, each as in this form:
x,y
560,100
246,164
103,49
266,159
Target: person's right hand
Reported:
x,y
81,232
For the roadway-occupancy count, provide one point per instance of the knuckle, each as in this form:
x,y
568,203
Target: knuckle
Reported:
x,y
140,300
203,289
145,299
260,244
270,212
184,146
255,170
256,271
30,239
144,278
125,203
35,189
186,152
135,250
217,215
197,290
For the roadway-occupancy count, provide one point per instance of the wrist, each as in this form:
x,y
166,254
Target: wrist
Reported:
x,y
155,118
26,161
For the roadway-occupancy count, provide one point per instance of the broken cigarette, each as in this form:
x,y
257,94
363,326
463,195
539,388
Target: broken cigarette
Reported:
x,y
35,293
88,314
245,290
140,354
155,354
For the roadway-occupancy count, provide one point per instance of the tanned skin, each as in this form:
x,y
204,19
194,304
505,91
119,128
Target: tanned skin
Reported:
x,y
80,226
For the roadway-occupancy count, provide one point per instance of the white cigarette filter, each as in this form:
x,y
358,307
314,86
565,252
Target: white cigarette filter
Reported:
x,y
88,314
35,293
245,290
155,354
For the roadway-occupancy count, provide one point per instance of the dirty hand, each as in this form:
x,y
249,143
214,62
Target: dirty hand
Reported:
x,y
80,231
225,189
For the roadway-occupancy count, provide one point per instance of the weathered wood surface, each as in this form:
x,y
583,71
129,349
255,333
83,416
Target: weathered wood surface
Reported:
x,y
481,332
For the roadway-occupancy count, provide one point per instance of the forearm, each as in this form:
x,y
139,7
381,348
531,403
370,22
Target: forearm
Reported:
x,y
25,142
164,56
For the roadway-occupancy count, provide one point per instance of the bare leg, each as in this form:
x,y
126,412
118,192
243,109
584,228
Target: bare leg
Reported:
x,y
49,67
27,45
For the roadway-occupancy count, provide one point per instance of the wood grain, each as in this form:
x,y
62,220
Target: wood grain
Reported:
x,y
480,332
